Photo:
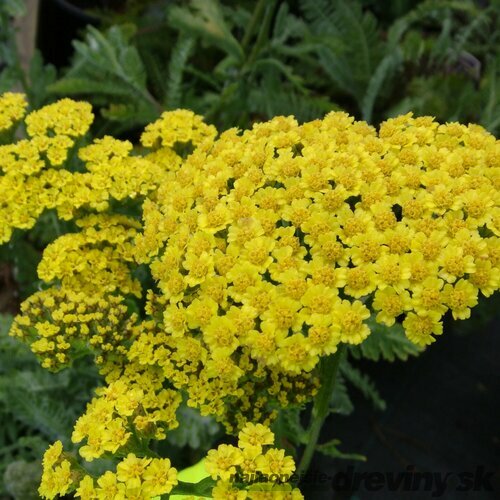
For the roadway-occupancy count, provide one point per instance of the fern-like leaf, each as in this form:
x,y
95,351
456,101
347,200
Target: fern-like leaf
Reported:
x,y
196,431
363,383
423,10
204,18
292,428
385,342
178,61
385,70
349,43
107,68
50,416
331,449
320,15
340,401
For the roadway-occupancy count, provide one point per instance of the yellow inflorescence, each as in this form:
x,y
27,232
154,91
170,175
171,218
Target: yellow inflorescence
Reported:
x,y
12,108
268,248
264,471
134,478
274,244
50,170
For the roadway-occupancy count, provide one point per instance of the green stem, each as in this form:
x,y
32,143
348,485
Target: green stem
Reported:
x,y
257,14
328,372
263,34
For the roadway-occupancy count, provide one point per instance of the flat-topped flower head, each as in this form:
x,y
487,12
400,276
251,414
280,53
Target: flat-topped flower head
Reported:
x,y
12,109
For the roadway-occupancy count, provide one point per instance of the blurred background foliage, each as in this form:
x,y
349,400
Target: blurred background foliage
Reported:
x,y
235,63
239,62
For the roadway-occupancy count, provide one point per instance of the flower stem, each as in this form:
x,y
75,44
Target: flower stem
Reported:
x,y
328,375
254,22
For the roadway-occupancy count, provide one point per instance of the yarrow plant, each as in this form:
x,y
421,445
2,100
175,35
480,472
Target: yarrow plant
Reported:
x,y
271,251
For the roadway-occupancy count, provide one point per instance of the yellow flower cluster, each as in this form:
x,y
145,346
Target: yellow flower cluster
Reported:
x,y
272,246
12,108
137,403
259,470
57,321
269,247
63,118
91,274
177,128
48,171
135,478
97,258
58,476
234,392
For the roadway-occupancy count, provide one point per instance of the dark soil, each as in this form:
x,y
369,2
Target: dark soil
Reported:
x,y
442,417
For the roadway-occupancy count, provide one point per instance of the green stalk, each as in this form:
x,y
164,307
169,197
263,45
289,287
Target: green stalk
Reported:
x,y
263,34
256,19
329,368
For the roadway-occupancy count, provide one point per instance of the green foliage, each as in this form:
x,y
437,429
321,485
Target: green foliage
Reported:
x,y
204,18
331,449
349,47
10,69
363,383
388,343
289,430
108,70
36,407
40,77
22,259
340,401
236,63
176,69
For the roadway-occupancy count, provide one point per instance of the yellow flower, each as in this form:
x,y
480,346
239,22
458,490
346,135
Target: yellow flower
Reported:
x,y
198,267
392,271
274,462
86,489
226,491
64,117
159,477
222,462
390,303
486,277
323,334
428,296
255,435
295,355
350,316
131,470
360,281
52,454
454,264
320,299
109,488
460,297
220,335
56,481
420,328
269,490
12,107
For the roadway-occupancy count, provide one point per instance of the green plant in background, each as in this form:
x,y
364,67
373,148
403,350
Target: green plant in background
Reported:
x,y
236,63
249,77
10,67
240,62
35,409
